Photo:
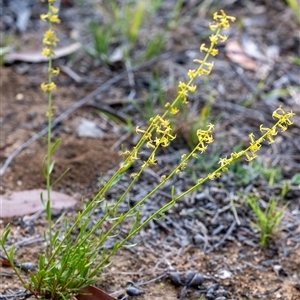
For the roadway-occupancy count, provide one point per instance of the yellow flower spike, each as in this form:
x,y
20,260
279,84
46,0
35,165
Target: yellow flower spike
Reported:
x,y
163,177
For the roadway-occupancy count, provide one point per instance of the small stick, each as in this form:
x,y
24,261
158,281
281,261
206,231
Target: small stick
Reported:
x,y
224,238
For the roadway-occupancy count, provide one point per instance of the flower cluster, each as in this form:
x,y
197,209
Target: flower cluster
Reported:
x,y
221,22
51,16
49,41
204,138
284,120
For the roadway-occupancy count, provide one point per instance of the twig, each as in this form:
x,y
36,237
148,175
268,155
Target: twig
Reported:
x,y
22,294
77,105
224,238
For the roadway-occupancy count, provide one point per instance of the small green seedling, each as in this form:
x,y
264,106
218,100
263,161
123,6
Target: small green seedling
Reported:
x,y
268,219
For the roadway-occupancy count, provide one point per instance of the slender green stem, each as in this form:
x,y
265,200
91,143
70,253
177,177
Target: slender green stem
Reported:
x,y
48,178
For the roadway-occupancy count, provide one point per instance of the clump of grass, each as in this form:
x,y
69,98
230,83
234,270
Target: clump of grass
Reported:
x,y
121,25
267,220
71,264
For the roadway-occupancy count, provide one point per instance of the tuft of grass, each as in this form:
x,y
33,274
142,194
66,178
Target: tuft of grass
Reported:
x,y
121,27
267,220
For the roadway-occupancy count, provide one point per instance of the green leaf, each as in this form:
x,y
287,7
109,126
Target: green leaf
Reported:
x,y
60,177
5,235
54,146
51,167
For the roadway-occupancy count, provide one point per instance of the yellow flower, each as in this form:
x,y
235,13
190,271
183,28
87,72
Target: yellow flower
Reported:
x,y
174,110
55,71
54,19
48,87
138,130
47,52
50,38
133,175
44,17
163,177
214,39
192,74
192,88
53,9
214,52
214,27
203,48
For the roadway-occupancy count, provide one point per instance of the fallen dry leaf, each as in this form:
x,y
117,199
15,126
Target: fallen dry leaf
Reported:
x,y
28,202
37,57
236,53
93,293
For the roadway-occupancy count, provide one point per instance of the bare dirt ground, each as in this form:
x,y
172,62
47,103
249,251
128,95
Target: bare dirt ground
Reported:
x,y
202,233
